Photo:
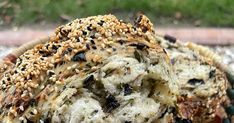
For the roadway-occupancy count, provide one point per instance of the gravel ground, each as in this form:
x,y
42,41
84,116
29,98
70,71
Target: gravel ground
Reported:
x,y
227,52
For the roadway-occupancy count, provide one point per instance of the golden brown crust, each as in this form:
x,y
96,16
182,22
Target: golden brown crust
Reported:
x,y
20,85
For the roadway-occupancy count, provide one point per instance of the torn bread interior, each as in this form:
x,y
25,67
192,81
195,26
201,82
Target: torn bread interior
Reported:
x,y
202,85
96,69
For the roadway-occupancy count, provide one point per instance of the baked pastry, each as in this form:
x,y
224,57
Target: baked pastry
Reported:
x,y
95,69
101,69
202,86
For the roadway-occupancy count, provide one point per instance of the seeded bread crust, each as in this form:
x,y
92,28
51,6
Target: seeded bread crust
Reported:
x,y
101,69
95,69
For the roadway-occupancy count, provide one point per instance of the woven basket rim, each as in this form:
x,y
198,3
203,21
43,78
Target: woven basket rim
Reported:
x,y
30,44
13,55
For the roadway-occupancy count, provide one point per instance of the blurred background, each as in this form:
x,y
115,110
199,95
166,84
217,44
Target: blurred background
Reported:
x,y
215,13
208,22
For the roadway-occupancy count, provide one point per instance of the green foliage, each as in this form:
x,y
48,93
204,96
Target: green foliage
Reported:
x,y
209,12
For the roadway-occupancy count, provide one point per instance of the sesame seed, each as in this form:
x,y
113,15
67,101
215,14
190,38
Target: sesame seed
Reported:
x,y
21,118
109,50
68,68
21,108
77,71
35,111
58,82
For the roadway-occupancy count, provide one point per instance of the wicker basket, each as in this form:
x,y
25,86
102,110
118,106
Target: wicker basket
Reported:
x,y
20,50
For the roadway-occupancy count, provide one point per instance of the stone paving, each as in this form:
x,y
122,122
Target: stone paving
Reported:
x,y
210,36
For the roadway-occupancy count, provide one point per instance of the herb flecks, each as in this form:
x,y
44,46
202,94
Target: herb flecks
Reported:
x,y
127,89
88,81
111,103
137,56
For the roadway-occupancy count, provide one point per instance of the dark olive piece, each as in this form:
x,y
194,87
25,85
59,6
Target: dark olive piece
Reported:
x,y
128,122
230,76
226,120
230,110
139,46
111,103
212,73
88,81
80,56
230,93
54,47
127,89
